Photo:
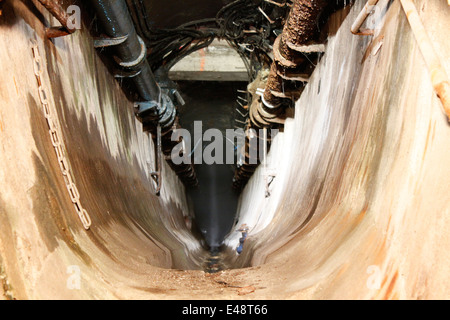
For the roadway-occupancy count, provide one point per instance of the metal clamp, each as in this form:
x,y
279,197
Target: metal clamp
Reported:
x,y
142,55
156,175
109,42
61,15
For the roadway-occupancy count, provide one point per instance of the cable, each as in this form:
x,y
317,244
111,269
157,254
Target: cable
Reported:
x,y
240,23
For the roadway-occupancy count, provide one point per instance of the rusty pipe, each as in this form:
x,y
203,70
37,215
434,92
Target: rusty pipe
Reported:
x,y
299,30
59,13
156,175
301,25
439,77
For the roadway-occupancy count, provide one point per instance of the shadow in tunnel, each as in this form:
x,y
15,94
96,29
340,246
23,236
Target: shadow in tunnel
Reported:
x,y
215,203
214,200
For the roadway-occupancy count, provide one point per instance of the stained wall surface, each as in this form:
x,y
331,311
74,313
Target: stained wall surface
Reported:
x,y
110,158
358,208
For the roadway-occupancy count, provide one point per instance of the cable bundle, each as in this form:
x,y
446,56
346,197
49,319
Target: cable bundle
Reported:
x,y
250,26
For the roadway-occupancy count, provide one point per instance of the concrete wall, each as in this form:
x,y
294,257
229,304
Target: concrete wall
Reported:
x,y
110,157
358,209
360,205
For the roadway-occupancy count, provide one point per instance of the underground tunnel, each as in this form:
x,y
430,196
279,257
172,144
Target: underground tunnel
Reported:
x,y
248,149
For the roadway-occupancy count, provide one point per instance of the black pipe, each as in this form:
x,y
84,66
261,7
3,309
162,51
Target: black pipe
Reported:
x,y
157,101
156,106
116,22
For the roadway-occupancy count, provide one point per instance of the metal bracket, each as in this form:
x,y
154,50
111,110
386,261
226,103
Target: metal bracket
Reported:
x,y
268,179
56,32
439,78
260,92
120,74
138,60
156,175
308,48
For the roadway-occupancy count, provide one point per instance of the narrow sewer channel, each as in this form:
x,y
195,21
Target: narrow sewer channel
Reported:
x,y
211,105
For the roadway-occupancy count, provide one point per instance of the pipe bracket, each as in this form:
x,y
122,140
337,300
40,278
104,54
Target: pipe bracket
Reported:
x,y
142,56
109,42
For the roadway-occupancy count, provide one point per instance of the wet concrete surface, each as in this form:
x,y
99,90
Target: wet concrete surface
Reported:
x,y
359,207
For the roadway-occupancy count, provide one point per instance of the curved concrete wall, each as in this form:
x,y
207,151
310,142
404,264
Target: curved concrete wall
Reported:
x,y
42,240
358,208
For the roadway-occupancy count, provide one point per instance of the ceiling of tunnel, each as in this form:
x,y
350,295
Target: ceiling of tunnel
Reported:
x,y
174,29
172,13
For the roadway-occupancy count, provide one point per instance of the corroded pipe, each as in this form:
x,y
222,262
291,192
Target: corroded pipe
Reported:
x,y
294,52
299,30
301,27
59,13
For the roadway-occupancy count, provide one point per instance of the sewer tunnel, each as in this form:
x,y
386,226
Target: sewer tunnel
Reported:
x,y
334,186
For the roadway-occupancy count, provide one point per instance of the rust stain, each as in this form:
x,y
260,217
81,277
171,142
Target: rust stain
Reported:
x,y
342,270
389,222
376,43
380,254
389,294
349,222
202,60
246,290
427,141
362,214
15,84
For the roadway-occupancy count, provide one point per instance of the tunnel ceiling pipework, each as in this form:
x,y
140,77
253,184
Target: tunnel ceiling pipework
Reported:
x,y
281,78
156,106
277,40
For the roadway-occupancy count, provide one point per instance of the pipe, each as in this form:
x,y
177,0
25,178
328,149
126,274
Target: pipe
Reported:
x,y
439,77
58,12
288,74
156,107
156,110
356,27
156,175
116,21
298,32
